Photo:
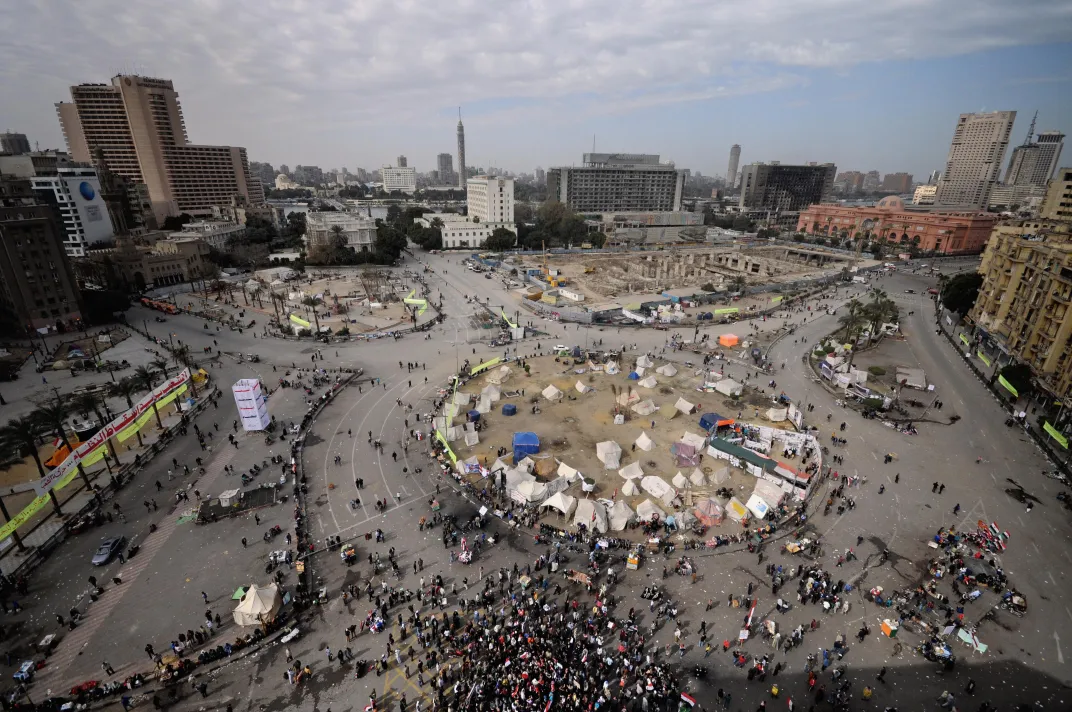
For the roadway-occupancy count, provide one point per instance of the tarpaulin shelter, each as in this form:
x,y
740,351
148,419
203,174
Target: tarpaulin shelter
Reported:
x,y
680,481
646,407
561,502
684,406
527,464
525,443
697,477
509,409
627,398
648,510
501,376
639,371
720,476
532,492
685,455
633,376
709,512
483,405
610,454
771,492
632,471
565,470
658,488
259,605
629,489
551,393
491,392
667,370
611,368
777,415
735,510
697,441
645,362
461,398
728,340
757,506
618,515
472,438
710,421
592,514
581,388
473,416
729,387
644,442
648,382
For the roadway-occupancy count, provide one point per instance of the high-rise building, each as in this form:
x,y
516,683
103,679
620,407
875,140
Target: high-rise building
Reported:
x,y
37,285
871,182
462,175
773,186
897,182
402,179
1057,204
401,161
924,195
731,169
14,143
138,123
541,176
75,195
1034,162
975,158
934,178
849,182
445,167
618,182
491,206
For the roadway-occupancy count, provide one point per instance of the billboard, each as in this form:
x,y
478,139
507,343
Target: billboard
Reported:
x,y
84,191
252,405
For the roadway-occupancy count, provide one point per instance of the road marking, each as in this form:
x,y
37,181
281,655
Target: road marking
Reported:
x,y
1020,520
1057,641
1036,548
1068,612
1050,574
992,477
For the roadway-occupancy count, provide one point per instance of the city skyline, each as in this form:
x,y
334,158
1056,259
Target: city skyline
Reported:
x,y
543,81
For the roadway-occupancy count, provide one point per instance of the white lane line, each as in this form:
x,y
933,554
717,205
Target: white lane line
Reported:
x,y
1050,574
992,477
1020,520
1036,548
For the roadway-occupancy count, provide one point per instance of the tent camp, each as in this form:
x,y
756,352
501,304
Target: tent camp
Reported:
x,y
644,442
461,398
697,478
581,388
648,510
709,512
685,455
629,489
697,441
561,502
259,605
729,387
757,506
648,382
632,471
667,370
612,368
492,392
618,515
710,421
657,488
592,514
531,492
680,481
645,362
565,470
720,476
525,443
684,406
551,393
735,510
627,398
610,454
501,376
646,407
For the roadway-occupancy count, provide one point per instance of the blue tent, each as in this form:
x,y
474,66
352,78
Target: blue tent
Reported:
x,y
474,415
525,444
634,376
509,409
710,421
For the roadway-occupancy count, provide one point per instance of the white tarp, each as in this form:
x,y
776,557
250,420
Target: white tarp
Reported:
x,y
639,371
483,406
627,398
648,510
684,406
644,407
551,393
667,370
592,514
581,388
259,605
720,476
454,432
561,502
532,492
612,368
757,506
610,454
492,392
657,488
771,492
697,477
629,489
680,481
697,441
472,439
777,415
461,398
631,471
729,387
500,377
648,382
565,470
619,515
514,478
645,362
644,442
527,464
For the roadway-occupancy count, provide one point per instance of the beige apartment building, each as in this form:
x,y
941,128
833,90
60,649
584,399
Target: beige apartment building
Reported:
x,y
138,124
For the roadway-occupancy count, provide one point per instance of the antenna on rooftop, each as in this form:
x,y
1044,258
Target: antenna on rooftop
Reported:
x,y
1031,129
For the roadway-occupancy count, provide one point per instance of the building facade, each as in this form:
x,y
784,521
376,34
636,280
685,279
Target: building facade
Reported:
x,y
942,231
849,182
1025,302
138,124
401,162
75,195
975,157
731,167
1034,163
445,168
491,199
1057,203
136,267
359,230
37,284
217,234
924,195
613,182
897,182
777,187
14,143
399,178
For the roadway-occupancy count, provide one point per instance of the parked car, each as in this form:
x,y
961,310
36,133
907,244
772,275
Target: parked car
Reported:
x,y
909,291
108,548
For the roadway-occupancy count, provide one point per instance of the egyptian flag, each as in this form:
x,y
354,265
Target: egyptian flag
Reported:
x,y
688,700
751,611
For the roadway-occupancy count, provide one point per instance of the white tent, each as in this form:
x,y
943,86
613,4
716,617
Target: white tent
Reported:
x,y
619,515
697,441
644,407
562,502
592,514
527,464
645,362
648,382
729,387
483,406
461,398
472,439
610,454
777,415
697,477
492,392
631,471
639,371
657,487
680,481
532,492
684,406
667,370
612,368
757,506
647,511
258,605
565,470
551,393
720,476
581,388
453,433
514,478
627,398
644,442
629,489
500,377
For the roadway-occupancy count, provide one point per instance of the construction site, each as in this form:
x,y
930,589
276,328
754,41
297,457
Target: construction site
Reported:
x,y
614,437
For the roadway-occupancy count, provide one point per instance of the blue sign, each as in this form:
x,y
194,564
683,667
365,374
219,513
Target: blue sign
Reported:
x,y
87,191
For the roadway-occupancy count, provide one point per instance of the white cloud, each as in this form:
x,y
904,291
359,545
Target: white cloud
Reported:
x,y
319,66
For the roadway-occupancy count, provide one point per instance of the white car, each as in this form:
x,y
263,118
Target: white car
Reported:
x,y
560,347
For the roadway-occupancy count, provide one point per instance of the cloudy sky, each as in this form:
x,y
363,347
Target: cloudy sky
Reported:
x,y
868,85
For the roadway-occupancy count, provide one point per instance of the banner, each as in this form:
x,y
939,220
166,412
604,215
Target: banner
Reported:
x,y
446,447
421,304
983,357
135,425
509,323
727,310
1056,435
965,340
1008,386
484,366
299,321
775,300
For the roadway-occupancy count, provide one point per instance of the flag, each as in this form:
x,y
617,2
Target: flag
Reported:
x,y
688,699
751,611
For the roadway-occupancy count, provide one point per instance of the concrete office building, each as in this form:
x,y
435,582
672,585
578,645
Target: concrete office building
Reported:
x,y
924,195
871,182
1033,163
35,163
731,169
612,182
14,143
491,206
1057,204
399,178
359,230
541,176
75,194
445,168
975,157
217,234
138,124
897,182
37,285
777,187
401,161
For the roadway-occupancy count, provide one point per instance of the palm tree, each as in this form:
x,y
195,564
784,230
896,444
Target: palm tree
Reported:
x,y
127,387
738,283
53,415
160,364
20,435
314,302
146,378
256,290
182,353
851,322
276,299
88,402
880,310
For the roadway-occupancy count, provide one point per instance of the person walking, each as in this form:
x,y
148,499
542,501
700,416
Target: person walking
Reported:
x,y
204,597
107,668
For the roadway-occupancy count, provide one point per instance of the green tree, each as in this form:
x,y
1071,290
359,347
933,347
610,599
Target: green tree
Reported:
x,y
174,223
960,292
852,323
1021,378
394,215
880,310
160,364
313,303
88,402
20,436
53,415
597,239
500,240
